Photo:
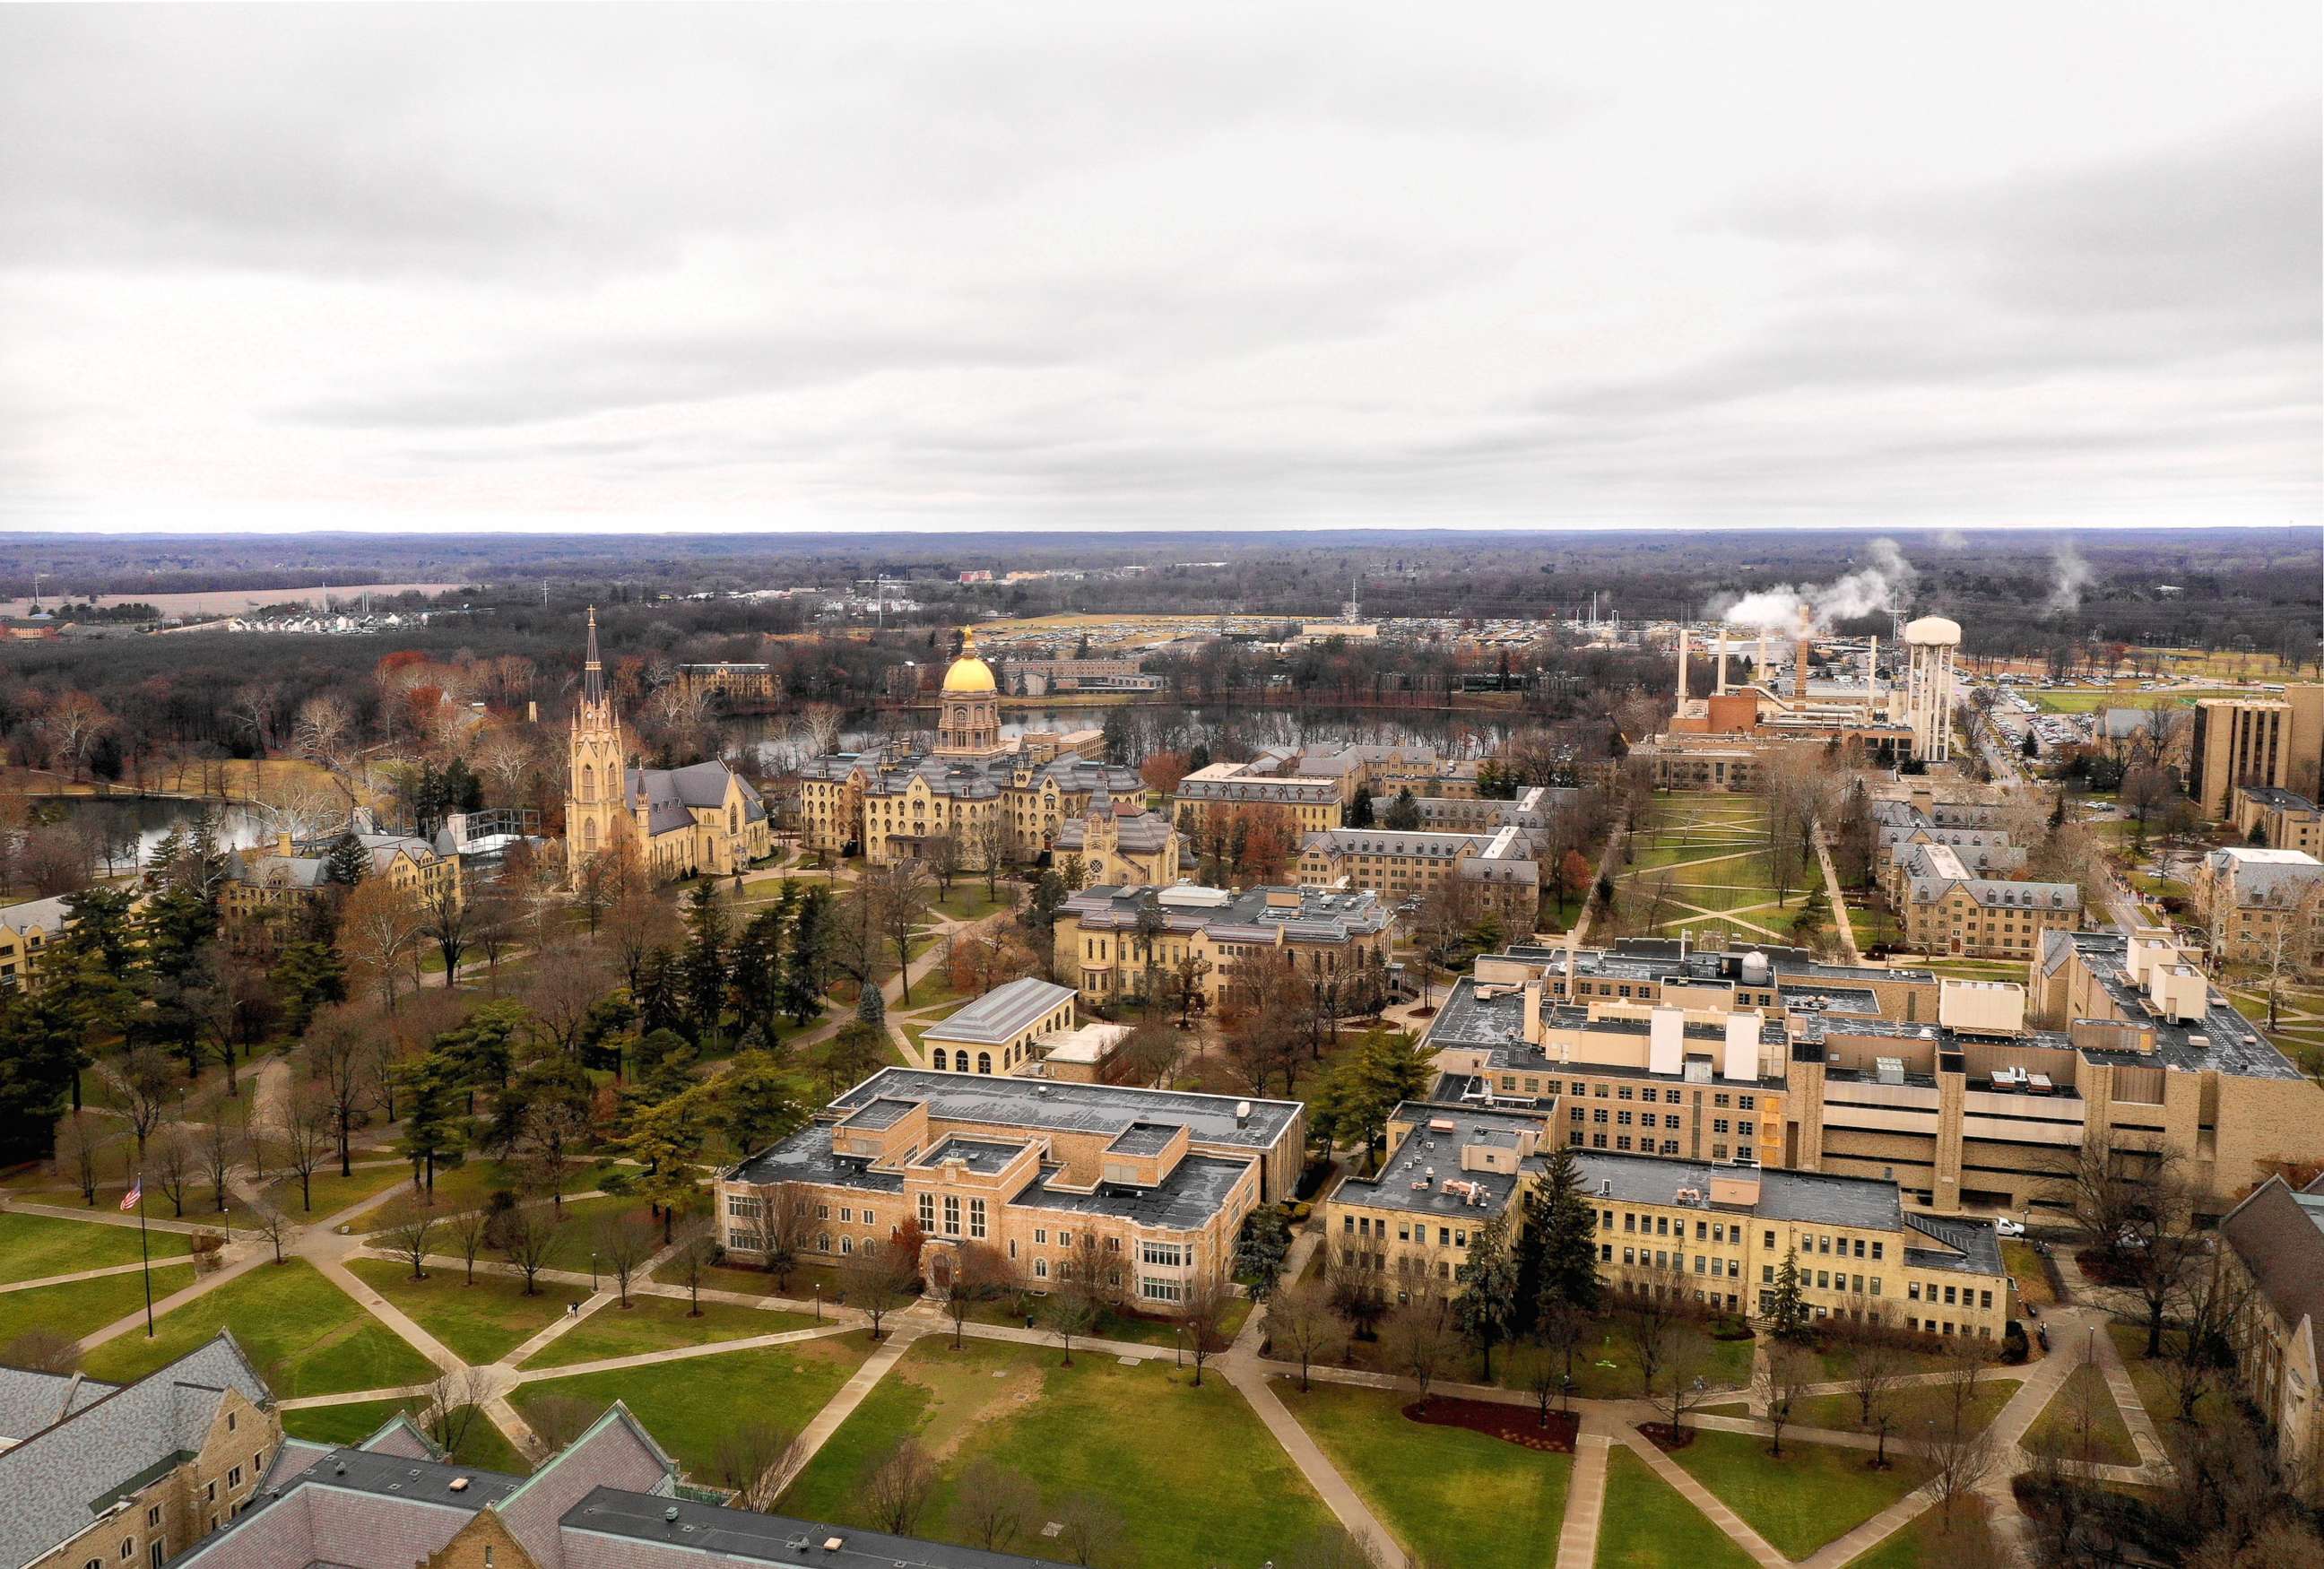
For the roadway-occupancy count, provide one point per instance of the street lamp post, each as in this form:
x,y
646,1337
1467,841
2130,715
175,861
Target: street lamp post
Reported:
x,y
592,1271
818,1302
1178,1345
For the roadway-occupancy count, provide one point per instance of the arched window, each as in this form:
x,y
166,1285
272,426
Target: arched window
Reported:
x,y
938,1059
588,783
823,1242
1041,1269
589,834
733,820
984,1062
847,1244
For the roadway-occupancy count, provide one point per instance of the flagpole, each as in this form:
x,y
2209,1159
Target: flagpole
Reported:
x,y
145,1253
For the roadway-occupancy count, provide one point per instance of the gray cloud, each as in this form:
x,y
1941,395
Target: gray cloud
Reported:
x,y
972,267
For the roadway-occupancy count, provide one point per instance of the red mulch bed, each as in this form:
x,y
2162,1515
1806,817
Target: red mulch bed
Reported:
x,y
1517,1424
1661,1436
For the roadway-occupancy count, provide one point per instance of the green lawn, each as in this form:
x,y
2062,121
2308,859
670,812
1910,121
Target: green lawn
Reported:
x,y
84,1307
35,1246
1192,1473
2155,1392
2025,1267
482,1322
1815,1493
1432,1484
1645,1524
1727,1363
967,901
658,1323
303,1334
2110,1437
480,1443
332,1193
1924,1543
688,1405
1914,1404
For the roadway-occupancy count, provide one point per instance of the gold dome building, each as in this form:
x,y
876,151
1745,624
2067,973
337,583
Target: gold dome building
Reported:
x,y
994,796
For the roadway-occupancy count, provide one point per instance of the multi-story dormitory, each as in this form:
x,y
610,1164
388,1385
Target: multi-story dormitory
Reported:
x,y
1948,1087
1150,1185
1717,1233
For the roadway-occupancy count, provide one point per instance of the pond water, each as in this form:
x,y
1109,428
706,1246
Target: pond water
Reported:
x,y
133,825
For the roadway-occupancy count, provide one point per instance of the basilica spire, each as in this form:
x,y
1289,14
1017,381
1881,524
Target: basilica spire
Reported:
x,y
592,669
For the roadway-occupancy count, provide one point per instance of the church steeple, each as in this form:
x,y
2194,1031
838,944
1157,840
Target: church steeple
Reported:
x,y
592,669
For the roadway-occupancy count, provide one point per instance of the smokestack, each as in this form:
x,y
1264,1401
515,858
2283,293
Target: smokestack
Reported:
x,y
1682,664
1718,681
1872,667
1800,668
1760,670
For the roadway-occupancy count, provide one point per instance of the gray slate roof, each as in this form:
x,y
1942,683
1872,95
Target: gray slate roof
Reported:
x,y
56,1483
1003,1011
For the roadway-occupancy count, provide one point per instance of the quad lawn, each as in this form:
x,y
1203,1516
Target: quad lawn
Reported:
x,y
1815,1493
1122,1326
1430,1484
482,1322
1913,1406
1646,1524
332,1193
85,1307
744,1281
689,1406
1838,1357
304,1335
1922,1542
480,1442
658,1323
2109,1434
2152,1379
967,901
1192,1473
33,1247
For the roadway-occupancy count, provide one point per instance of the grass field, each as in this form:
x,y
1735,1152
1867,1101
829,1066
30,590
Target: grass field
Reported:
x,y
33,1247
303,1334
2025,1267
1924,1542
1914,1405
332,1193
84,1307
1646,1524
688,1405
2155,1392
1815,1493
479,1443
1191,1472
1429,1484
2109,1436
658,1323
1704,859
481,1323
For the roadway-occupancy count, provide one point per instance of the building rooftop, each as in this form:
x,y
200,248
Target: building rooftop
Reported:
x,y
1252,915
1196,1189
982,1156
1002,1013
712,1534
1423,1177
2222,1040
1107,1109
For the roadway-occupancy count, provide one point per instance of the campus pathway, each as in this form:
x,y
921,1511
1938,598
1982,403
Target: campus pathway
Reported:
x,y
1585,1493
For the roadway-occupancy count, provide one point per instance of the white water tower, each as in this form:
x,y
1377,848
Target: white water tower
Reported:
x,y
1929,645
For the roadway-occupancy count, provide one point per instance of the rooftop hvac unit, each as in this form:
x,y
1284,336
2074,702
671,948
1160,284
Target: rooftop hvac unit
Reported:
x,y
1889,1070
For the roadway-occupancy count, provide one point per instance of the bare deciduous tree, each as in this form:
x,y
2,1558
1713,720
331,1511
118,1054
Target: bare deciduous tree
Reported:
x,y
754,1458
408,1230
898,1488
1302,1323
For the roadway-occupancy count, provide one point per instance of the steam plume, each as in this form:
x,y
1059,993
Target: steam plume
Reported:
x,y
1878,586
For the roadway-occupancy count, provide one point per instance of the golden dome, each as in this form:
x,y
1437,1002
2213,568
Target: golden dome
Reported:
x,y
969,673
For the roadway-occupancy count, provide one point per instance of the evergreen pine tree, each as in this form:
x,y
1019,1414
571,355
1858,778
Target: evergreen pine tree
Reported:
x,y
1487,1308
1787,1310
705,962
1569,1243
347,862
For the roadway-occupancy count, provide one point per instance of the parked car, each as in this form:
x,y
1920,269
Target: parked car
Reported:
x,y
2007,1227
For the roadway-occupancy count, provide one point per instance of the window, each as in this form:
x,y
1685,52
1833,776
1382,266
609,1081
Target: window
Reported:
x,y
153,1516
846,1215
229,1421
1159,1290
234,1477
928,1212
209,1492
1065,1239
976,1219
823,1212
1040,1236
1041,1269
952,1214
1166,1255
1770,1239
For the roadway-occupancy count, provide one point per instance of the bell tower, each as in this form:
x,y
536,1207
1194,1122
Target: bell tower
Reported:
x,y
596,809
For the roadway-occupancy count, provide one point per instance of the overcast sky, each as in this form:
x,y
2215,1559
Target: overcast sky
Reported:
x,y
893,266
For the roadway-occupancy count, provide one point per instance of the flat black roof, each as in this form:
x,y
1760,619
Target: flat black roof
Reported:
x,y
707,1528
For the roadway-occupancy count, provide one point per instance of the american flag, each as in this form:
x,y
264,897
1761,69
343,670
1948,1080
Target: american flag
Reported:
x,y
136,1191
